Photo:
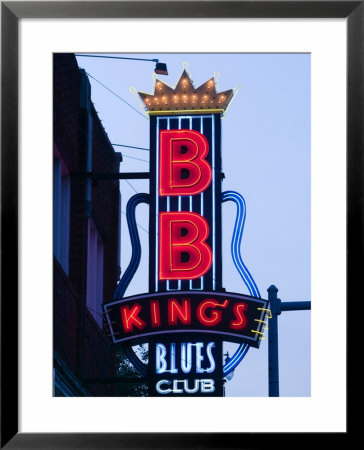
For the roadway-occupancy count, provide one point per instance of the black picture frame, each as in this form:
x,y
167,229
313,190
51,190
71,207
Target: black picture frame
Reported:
x,y
11,12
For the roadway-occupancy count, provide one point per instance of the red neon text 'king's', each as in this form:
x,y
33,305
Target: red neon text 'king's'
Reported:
x,y
179,312
130,317
207,313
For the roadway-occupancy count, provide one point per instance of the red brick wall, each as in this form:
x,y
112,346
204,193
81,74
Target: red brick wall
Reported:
x,y
65,299
66,95
69,291
105,202
98,357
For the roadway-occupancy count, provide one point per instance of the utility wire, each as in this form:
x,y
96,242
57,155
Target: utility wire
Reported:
x,y
122,212
116,95
132,187
138,159
130,146
137,223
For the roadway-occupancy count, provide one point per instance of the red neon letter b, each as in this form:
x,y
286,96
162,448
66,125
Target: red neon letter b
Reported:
x,y
183,167
183,251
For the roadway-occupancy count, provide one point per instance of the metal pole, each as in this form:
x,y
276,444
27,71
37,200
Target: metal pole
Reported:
x,y
295,306
273,369
117,57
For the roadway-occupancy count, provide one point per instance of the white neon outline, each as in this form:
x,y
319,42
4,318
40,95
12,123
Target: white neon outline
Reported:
x,y
158,387
202,208
210,332
161,353
157,211
173,368
179,282
194,389
141,297
211,386
209,348
201,117
213,204
168,206
186,357
199,357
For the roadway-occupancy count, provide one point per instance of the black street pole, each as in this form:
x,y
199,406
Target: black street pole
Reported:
x,y
273,369
276,307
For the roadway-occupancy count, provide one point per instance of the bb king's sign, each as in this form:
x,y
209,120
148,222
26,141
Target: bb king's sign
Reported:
x,y
187,314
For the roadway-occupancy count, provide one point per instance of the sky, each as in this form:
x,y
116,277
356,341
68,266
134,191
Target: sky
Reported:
x,y
265,157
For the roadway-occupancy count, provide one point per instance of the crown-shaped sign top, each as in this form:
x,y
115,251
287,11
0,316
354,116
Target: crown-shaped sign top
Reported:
x,y
186,98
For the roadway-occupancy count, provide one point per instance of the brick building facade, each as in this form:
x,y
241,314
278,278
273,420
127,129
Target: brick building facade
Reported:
x,y
86,235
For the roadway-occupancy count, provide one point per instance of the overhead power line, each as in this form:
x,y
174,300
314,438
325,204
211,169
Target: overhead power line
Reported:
x,y
130,146
132,157
116,95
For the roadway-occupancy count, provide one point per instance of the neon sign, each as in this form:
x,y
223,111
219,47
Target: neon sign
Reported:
x,y
187,368
198,355
186,358
166,387
187,313
184,253
235,317
183,167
